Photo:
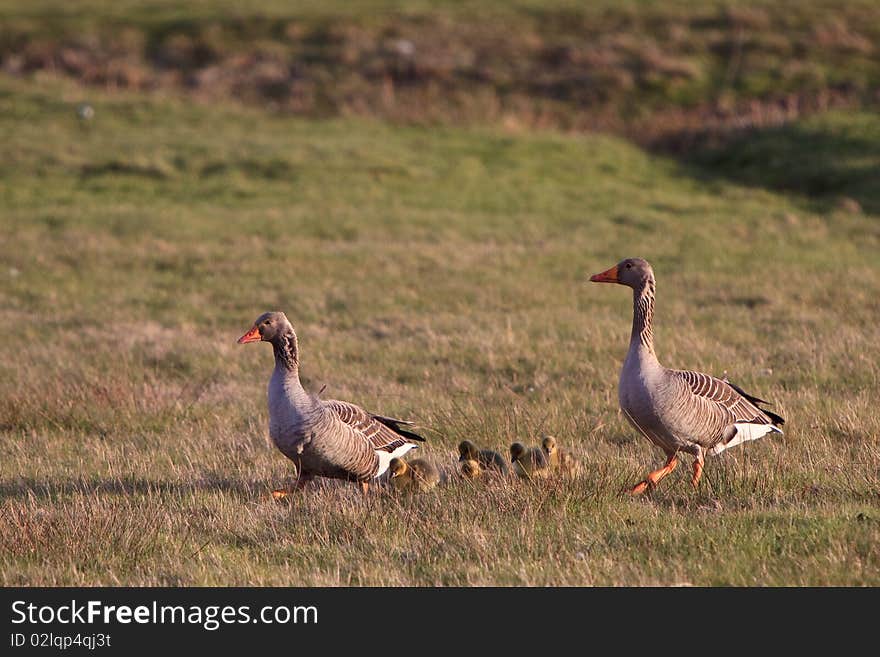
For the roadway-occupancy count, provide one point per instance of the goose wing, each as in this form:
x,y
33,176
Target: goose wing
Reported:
x,y
383,433
738,405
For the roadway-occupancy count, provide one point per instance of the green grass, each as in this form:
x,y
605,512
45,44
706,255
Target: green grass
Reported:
x,y
824,158
432,273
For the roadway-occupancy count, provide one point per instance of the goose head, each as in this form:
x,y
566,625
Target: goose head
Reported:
x,y
548,445
517,451
467,451
397,468
269,327
632,272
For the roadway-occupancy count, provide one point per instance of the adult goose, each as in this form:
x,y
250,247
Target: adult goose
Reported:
x,y
678,410
324,438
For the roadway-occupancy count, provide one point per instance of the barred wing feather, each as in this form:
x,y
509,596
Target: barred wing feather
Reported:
x,y
382,432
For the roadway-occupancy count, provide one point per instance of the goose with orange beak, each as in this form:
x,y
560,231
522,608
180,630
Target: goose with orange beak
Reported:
x,y
324,438
678,410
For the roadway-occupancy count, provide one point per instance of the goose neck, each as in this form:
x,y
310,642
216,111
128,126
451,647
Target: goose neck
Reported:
x,y
642,336
287,354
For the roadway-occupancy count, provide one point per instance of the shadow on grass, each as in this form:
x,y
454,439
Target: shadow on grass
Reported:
x,y
46,489
833,161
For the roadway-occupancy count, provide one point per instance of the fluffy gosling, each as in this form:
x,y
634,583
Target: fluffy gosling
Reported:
x,y
417,475
529,462
559,458
486,458
471,468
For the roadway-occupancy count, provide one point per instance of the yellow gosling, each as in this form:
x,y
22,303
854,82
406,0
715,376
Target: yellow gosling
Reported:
x,y
471,468
529,462
560,459
417,475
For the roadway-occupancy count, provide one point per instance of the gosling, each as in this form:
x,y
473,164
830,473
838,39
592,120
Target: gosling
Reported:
x,y
417,475
529,462
471,469
560,459
486,458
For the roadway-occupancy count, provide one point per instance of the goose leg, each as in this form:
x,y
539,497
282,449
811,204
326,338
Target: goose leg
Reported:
x,y
365,487
698,468
654,477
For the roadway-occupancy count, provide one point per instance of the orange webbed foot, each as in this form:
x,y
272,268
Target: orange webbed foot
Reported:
x,y
654,477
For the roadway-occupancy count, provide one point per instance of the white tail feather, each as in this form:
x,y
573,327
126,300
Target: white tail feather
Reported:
x,y
385,457
746,431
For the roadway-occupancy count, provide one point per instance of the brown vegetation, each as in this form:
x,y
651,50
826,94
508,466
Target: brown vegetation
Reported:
x,y
662,76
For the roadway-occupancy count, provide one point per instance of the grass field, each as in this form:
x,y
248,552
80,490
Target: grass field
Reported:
x,y
436,273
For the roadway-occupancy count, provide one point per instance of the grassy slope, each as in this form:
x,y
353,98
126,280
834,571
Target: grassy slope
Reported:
x,y
431,273
644,67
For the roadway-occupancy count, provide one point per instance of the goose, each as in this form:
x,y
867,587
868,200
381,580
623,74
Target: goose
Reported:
x,y
488,459
471,469
416,475
529,462
324,438
678,410
560,459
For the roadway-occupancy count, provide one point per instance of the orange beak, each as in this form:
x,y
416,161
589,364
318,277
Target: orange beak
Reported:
x,y
607,276
251,336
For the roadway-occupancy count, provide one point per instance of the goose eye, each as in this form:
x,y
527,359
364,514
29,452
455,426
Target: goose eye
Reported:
x,y
629,265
